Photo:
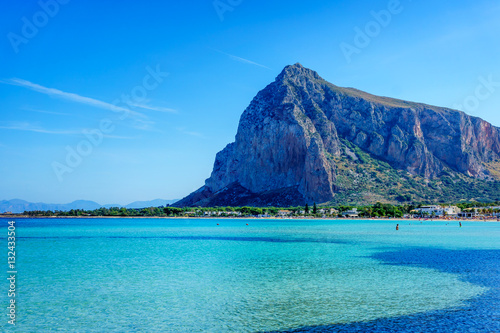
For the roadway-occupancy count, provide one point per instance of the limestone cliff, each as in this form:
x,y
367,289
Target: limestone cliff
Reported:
x,y
295,133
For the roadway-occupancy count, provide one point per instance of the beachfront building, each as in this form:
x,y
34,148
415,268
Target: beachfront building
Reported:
x,y
351,213
284,213
233,213
436,210
469,213
480,212
452,211
433,210
493,211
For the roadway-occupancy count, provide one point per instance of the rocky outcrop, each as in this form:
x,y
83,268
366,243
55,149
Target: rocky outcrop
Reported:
x,y
291,134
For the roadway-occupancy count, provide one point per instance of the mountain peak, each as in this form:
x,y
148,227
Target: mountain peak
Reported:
x,y
297,65
297,70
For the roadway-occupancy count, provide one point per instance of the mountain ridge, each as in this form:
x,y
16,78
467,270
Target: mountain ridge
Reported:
x,y
19,206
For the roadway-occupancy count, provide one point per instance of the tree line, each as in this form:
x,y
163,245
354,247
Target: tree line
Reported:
x,y
376,210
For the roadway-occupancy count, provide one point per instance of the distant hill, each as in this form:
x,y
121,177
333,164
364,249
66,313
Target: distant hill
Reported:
x,y
151,203
19,206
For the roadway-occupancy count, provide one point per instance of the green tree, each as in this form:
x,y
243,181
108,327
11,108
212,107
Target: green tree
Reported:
x,y
315,209
306,209
250,210
123,211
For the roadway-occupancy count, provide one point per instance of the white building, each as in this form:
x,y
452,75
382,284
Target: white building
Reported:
x,y
283,213
452,211
435,210
351,213
432,210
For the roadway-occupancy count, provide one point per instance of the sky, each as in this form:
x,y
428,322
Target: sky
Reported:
x,y
119,101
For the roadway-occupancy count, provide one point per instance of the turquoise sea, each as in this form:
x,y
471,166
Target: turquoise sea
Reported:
x,y
192,275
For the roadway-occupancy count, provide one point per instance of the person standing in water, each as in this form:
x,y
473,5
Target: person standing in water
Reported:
x,y
397,226
460,223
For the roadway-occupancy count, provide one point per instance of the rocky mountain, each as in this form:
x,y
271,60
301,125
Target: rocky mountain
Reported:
x,y
303,139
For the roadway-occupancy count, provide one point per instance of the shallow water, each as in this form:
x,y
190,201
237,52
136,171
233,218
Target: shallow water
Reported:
x,y
189,275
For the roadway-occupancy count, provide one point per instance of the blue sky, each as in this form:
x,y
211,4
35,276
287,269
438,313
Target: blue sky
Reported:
x,y
71,74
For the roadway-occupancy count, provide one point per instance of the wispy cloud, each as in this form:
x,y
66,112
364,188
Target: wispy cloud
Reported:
x,y
155,108
24,126
192,133
243,60
119,137
28,127
45,112
72,97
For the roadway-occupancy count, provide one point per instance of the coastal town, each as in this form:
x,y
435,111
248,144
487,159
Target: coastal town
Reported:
x,y
463,211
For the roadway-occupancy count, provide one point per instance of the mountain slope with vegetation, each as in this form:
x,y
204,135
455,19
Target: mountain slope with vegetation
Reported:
x,y
304,140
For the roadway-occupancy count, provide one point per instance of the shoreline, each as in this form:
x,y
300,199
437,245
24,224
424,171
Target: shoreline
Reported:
x,y
252,218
